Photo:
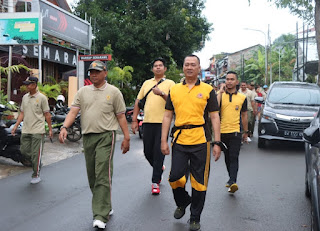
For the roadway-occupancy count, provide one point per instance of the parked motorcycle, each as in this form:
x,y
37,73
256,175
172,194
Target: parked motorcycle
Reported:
x,y
129,113
74,131
140,123
9,144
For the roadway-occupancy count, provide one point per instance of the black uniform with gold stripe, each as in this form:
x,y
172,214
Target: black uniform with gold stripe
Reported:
x,y
191,143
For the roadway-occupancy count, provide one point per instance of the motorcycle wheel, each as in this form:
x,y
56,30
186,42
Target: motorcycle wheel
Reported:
x,y
74,133
129,118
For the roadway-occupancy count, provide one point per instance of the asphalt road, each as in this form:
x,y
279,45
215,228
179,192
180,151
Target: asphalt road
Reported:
x,y
270,197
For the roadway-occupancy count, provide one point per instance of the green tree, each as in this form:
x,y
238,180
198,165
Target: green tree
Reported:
x,y
285,45
120,77
142,30
309,10
13,68
254,69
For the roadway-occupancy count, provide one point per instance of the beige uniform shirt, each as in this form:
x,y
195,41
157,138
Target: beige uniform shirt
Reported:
x,y
99,108
250,97
33,108
155,104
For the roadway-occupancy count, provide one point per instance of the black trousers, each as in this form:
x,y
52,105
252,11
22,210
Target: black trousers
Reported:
x,y
231,156
196,159
152,149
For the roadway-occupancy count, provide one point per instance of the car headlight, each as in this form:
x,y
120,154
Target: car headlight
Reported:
x,y
268,115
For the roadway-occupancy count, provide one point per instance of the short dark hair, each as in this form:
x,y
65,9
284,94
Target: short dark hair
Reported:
x,y
192,55
159,59
244,82
232,72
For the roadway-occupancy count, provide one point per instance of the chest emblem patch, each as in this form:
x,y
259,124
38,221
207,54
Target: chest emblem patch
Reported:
x,y
237,107
200,96
108,97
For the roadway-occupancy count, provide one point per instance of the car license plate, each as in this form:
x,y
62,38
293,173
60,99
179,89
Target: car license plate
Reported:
x,y
293,134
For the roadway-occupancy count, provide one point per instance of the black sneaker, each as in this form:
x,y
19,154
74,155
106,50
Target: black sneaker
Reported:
x,y
180,211
194,225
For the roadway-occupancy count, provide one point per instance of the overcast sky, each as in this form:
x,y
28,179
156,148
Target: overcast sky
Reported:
x,y
230,17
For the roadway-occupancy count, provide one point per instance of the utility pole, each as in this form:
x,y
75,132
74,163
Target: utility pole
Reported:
x,y
303,61
10,10
297,47
269,40
279,63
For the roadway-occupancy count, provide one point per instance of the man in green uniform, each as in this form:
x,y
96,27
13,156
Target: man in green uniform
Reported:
x,y
34,110
102,111
251,107
191,101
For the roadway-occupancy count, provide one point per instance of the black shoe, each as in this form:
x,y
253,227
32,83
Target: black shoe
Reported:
x,y
180,211
194,225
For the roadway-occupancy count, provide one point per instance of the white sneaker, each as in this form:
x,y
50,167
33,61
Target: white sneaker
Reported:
x,y
99,224
35,180
248,139
111,212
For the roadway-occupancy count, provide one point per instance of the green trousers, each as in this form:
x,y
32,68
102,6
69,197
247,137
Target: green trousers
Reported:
x,y
98,151
31,146
251,121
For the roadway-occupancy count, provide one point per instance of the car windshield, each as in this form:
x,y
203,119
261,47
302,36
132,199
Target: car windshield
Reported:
x,y
284,94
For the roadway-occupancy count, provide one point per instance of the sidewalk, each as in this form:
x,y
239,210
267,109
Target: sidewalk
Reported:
x,y
52,153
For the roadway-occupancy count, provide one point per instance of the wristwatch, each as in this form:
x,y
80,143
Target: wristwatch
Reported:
x,y
246,131
162,93
63,127
220,144
217,143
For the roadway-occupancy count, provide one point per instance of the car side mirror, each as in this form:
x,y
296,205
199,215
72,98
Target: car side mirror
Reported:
x,y
311,135
259,99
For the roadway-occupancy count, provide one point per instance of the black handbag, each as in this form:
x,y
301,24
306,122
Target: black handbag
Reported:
x,y
142,101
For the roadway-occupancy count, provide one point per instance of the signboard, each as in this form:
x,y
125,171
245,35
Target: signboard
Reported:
x,y
52,53
20,29
105,57
63,25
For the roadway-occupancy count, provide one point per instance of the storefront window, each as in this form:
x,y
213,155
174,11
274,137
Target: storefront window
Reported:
x,y
19,6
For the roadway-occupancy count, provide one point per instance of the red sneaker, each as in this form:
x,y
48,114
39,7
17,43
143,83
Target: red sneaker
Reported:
x,y
155,189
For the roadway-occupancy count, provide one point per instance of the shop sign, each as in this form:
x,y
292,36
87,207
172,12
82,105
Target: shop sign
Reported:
x,y
105,57
52,53
63,25
20,29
